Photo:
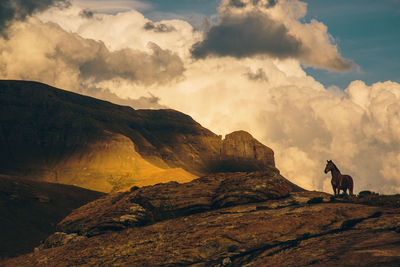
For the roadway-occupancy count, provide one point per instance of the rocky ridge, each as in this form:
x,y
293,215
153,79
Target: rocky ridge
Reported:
x,y
226,219
147,205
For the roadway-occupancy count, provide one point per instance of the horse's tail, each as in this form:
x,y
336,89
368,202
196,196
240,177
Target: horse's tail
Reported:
x,y
347,183
351,185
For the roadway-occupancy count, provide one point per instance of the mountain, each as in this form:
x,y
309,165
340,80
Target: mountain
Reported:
x,y
30,211
52,135
225,219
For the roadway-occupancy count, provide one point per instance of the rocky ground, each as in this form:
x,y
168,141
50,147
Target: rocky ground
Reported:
x,y
230,219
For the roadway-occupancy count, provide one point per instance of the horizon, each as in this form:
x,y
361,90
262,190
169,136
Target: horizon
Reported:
x,y
312,81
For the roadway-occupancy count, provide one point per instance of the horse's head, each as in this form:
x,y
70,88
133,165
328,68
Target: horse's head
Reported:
x,y
329,166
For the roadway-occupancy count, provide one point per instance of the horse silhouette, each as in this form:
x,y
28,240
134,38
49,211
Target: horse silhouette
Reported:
x,y
339,181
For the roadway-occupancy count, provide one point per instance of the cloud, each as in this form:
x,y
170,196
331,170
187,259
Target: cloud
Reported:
x,y
98,63
258,75
249,28
19,9
158,27
237,3
86,13
112,7
45,52
244,3
126,30
305,123
244,36
143,102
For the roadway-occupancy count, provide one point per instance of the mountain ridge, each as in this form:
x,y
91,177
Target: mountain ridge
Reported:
x,y
60,136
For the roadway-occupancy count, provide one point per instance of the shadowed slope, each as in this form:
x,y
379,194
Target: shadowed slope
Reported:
x,y
31,210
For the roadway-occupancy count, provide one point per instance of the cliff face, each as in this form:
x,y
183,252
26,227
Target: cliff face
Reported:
x,y
58,136
225,219
241,152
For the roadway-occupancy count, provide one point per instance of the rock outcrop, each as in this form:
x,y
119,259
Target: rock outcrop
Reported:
x,y
228,219
53,135
59,239
239,151
151,204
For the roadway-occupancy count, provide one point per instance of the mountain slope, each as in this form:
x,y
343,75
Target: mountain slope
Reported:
x,y
31,210
58,136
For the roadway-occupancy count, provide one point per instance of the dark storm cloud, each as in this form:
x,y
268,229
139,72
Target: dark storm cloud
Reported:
x,y
19,9
247,35
158,27
237,3
143,102
259,75
100,64
271,3
87,14
242,3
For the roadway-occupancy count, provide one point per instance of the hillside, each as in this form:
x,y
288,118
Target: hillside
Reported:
x,y
225,219
54,135
31,210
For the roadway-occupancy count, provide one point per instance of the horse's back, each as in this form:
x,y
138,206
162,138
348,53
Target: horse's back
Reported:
x,y
347,180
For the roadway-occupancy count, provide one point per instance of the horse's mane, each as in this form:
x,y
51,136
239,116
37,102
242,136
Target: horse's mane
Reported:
x,y
334,165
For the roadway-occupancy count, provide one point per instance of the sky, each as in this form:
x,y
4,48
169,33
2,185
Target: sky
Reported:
x,y
313,80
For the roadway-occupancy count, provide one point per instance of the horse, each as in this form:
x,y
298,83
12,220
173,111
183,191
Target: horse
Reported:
x,y
339,181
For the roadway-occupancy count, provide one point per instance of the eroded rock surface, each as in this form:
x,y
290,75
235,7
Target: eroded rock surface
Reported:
x,y
59,239
259,219
170,200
